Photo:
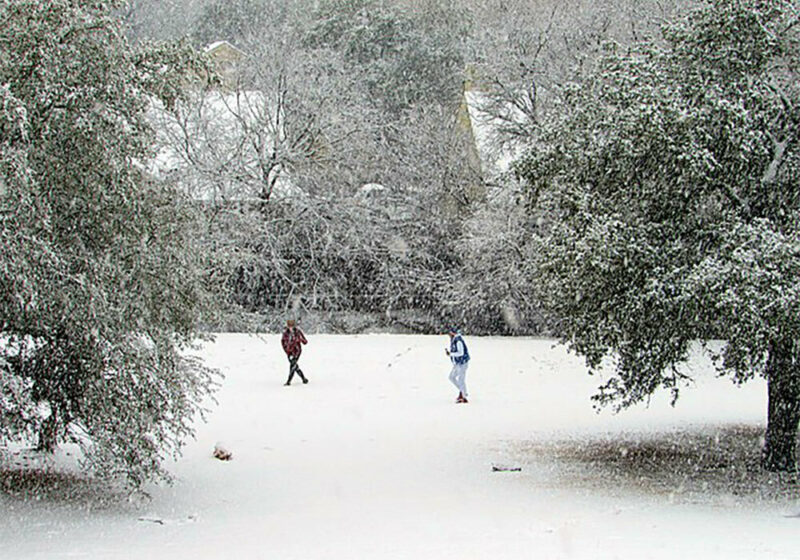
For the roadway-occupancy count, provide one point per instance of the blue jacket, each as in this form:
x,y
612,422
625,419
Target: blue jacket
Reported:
x,y
458,356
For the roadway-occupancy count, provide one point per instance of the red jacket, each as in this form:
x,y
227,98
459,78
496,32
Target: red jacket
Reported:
x,y
291,342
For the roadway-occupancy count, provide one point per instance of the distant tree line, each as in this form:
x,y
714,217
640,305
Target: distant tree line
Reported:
x,y
364,92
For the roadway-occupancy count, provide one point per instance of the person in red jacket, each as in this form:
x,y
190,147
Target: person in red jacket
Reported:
x,y
292,341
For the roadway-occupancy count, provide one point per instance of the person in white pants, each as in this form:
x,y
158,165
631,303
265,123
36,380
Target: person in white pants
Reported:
x,y
459,356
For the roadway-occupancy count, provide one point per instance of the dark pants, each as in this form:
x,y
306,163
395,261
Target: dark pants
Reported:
x,y
294,368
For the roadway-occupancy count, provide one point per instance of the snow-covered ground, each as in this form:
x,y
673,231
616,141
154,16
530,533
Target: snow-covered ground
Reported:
x,y
373,459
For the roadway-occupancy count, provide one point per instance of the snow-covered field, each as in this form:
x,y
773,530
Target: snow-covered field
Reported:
x,y
372,459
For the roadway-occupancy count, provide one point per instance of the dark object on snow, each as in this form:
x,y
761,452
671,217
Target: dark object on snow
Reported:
x,y
496,468
155,520
222,454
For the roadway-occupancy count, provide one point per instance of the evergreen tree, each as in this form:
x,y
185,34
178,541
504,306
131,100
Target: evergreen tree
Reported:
x,y
669,181
403,60
242,22
100,279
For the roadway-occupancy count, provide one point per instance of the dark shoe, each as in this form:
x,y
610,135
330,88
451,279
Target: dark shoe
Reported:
x,y
305,381
286,384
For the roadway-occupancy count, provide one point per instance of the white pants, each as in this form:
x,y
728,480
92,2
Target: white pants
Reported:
x,y
458,377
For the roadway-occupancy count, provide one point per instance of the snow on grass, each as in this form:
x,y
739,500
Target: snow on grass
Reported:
x,y
712,464
373,459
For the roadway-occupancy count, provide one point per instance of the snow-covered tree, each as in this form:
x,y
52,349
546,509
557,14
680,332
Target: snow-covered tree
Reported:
x,y
402,59
520,51
668,178
99,265
242,22
330,201
159,20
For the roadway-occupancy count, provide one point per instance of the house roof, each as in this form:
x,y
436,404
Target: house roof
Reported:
x,y
222,46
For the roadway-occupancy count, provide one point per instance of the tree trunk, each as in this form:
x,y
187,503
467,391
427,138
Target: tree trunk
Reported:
x,y
48,434
783,415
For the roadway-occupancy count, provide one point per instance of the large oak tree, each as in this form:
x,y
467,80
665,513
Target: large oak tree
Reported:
x,y
100,277
668,183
